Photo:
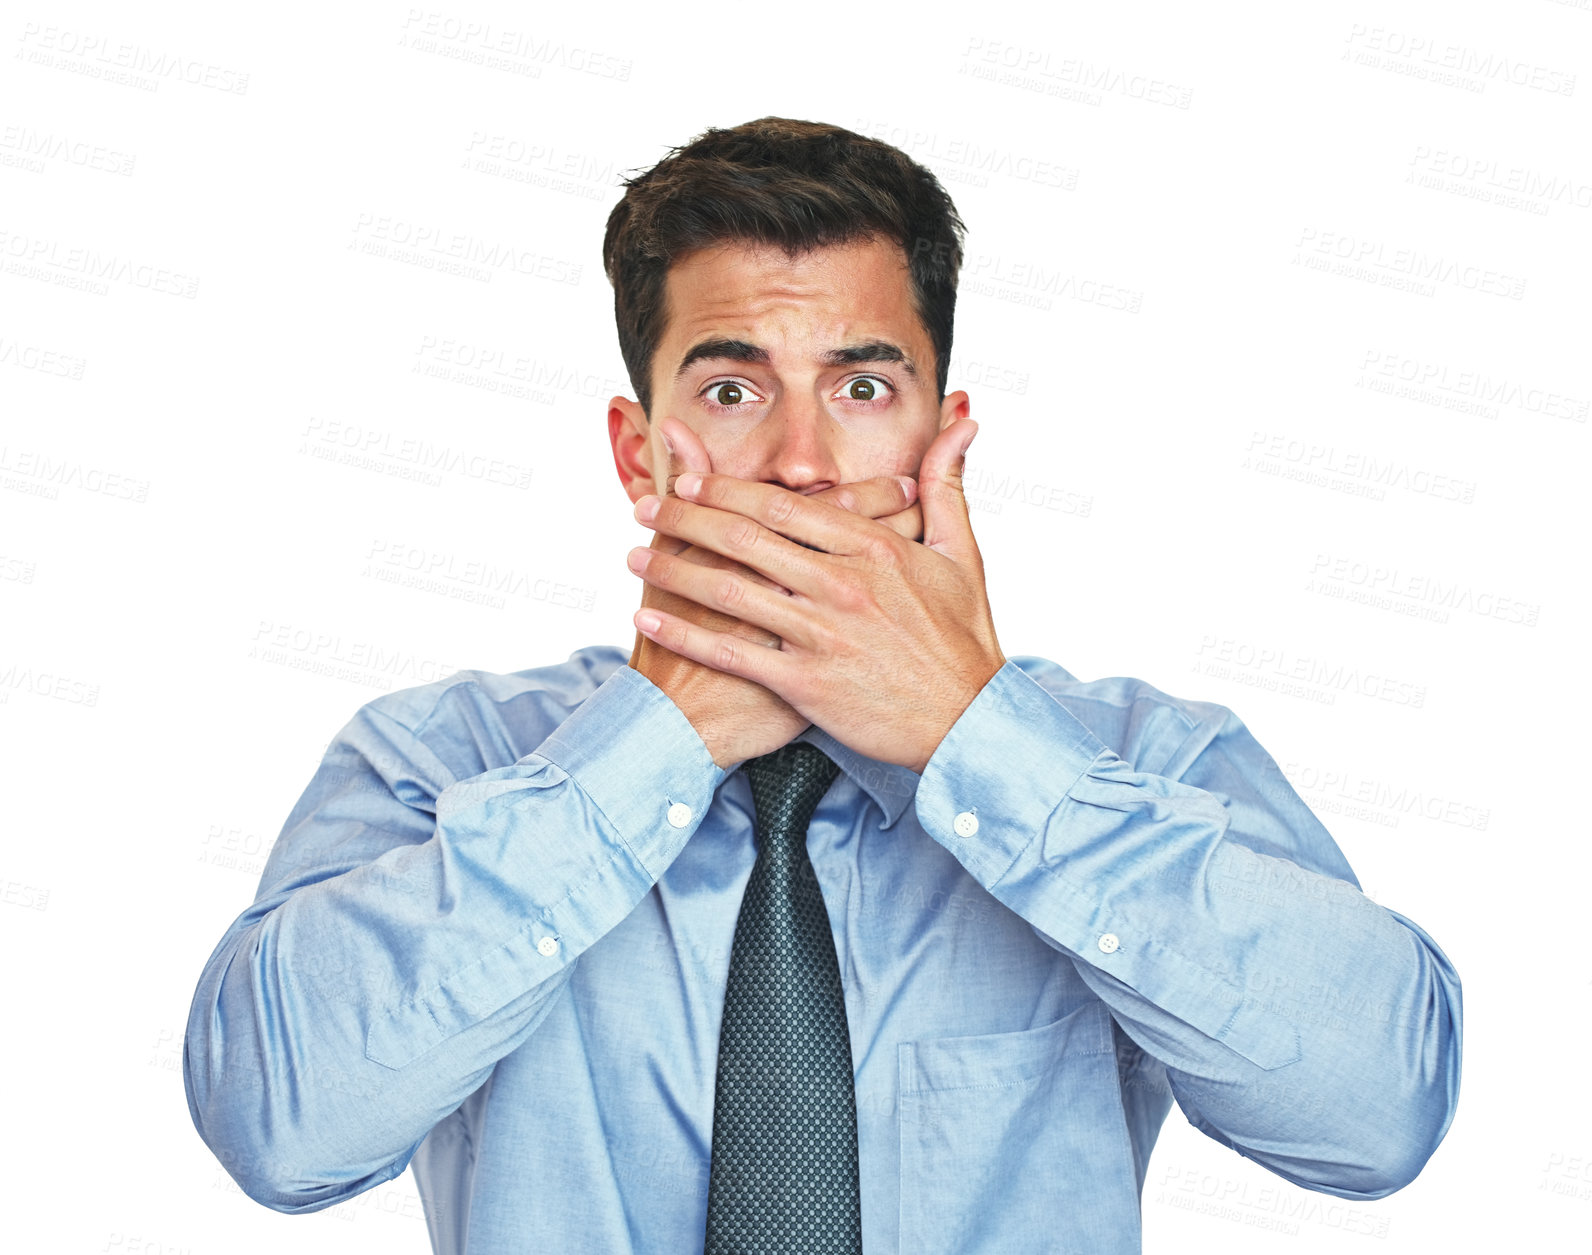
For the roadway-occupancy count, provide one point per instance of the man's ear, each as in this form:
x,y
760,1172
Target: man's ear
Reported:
x,y
956,405
630,434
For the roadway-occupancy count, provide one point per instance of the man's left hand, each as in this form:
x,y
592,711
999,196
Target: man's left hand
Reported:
x,y
884,641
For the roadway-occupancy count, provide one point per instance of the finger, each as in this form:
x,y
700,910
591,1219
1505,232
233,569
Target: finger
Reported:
x,y
947,528
684,450
688,552
908,523
718,650
871,498
785,515
877,499
744,540
726,591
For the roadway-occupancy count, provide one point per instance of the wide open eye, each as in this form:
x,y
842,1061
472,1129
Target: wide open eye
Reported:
x,y
729,393
865,388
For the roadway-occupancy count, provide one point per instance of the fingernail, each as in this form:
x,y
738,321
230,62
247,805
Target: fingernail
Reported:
x,y
647,508
668,445
908,485
687,485
638,559
647,621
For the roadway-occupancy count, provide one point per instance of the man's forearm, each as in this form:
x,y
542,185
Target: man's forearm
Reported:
x,y
1299,1022
412,929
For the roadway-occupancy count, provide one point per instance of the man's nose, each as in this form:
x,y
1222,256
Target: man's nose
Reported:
x,y
799,450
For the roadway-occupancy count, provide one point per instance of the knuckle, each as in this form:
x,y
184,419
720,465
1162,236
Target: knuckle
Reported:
x,y
726,655
849,597
781,509
878,552
742,535
730,594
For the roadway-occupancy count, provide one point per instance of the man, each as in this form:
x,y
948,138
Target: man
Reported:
x,y
523,931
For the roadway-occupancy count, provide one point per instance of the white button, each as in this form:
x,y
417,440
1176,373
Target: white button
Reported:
x,y
679,814
548,946
966,824
1108,943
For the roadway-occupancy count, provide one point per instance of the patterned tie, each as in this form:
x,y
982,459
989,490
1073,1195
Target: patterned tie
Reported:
x,y
784,1170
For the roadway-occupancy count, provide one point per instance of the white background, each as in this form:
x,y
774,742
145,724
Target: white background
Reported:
x,y
1276,336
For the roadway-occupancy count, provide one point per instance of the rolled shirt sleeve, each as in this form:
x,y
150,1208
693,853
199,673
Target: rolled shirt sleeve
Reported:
x,y
1299,1023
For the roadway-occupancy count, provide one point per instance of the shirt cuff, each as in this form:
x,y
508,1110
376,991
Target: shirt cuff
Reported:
x,y
1008,762
633,752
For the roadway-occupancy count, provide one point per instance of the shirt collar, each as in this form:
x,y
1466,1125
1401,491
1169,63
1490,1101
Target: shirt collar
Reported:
x,y
892,786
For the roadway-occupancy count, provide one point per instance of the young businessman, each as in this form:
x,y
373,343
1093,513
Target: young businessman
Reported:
x,y
501,937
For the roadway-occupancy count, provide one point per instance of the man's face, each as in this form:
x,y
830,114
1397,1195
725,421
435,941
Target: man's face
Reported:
x,y
804,372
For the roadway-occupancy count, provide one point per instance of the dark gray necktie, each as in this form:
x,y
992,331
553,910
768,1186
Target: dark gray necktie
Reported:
x,y
784,1170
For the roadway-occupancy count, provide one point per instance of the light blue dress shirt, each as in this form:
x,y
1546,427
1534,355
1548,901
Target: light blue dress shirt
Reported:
x,y
492,942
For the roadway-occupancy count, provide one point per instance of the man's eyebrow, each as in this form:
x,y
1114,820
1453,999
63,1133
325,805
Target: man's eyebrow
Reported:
x,y
722,351
872,351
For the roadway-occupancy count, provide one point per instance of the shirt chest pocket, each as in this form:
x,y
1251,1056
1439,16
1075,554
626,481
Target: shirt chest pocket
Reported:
x,y
1017,1142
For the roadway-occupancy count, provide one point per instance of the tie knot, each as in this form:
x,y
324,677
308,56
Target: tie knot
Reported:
x,y
788,784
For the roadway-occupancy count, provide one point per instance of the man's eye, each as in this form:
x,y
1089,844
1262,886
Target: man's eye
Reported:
x,y
727,393
865,389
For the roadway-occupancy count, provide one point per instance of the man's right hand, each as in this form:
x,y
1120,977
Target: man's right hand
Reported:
x,y
736,718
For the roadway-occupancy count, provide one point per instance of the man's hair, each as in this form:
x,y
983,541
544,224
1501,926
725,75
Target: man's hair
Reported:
x,y
794,185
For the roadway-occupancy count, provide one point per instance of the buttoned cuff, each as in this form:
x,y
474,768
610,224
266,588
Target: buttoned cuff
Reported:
x,y
633,752
1008,762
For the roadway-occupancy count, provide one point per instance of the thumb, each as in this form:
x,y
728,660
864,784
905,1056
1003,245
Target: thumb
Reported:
x,y
946,526
683,452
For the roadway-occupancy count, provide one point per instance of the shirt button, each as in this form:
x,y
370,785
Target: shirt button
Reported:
x,y
679,814
547,946
1108,943
966,824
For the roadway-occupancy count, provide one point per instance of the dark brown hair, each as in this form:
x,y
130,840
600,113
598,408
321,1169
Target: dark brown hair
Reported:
x,y
775,181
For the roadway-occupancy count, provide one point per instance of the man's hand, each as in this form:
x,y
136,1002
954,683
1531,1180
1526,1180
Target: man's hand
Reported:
x,y
882,642
738,718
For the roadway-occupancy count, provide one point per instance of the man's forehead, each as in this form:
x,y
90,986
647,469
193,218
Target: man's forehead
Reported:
x,y
822,302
